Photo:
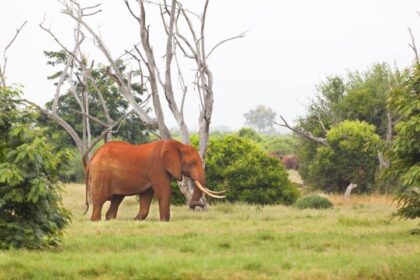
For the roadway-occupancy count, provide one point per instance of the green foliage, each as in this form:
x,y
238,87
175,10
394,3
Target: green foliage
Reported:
x,y
31,214
404,102
277,145
409,203
73,171
247,172
366,96
261,118
280,145
350,157
359,96
249,133
313,201
131,129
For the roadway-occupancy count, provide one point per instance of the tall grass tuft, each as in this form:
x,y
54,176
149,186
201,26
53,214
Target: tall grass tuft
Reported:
x,y
313,201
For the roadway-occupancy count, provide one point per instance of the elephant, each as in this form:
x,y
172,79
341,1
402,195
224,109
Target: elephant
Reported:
x,y
119,169
290,162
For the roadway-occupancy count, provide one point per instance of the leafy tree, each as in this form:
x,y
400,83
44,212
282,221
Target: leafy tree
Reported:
x,y
261,118
358,96
404,102
131,129
367,94
247,172
350,157
31,213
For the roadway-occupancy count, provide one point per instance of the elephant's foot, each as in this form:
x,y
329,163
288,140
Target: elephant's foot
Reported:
x,y
140,217
110,217
195,204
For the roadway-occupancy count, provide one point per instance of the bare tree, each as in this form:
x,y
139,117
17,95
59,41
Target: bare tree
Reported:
x,y
75,59
190,46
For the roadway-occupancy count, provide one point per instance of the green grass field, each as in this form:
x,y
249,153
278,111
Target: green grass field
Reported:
x,y
355,240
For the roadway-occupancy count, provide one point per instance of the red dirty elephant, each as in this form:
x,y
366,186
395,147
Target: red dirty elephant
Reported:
x,y
118,169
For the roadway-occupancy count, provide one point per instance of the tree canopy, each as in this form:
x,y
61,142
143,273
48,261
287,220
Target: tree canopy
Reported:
x,y
261,118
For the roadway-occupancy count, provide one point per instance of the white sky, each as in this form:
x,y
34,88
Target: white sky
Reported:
x,y
290,46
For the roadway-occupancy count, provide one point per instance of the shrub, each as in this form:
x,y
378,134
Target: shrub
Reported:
x,y
351,156
31,213
313,201
409,203
247,172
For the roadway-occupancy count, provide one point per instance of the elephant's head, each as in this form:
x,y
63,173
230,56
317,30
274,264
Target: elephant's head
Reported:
x,y
183,160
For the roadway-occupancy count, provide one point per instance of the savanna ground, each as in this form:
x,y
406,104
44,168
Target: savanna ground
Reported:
x,y
357,239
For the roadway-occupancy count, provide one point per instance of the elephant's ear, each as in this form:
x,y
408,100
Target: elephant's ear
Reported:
x,y
171,158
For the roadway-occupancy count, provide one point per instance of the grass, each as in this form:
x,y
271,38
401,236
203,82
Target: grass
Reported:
x,y
357,239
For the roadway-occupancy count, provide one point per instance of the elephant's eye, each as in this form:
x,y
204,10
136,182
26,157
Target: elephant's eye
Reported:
x,y
193,162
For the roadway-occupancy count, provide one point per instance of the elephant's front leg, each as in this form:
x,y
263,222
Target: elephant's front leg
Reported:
x,y
163,192
145,200
113,208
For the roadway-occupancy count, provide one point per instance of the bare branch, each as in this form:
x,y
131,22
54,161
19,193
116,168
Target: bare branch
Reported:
x,y
3,69
14,37
131,11
73,134
160,4
300,131
90,117
117,75
153,73
181,82
413,45
242,35
101,98
203,23
106,131
321,123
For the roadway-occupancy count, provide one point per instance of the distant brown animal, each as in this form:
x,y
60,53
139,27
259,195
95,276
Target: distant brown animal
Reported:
x,y
290,162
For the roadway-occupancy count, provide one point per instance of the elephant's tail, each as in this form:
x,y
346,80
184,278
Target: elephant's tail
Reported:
x,y
87,179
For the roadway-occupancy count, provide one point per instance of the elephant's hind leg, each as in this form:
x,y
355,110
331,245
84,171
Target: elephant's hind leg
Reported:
x,y
113,208
145,200
97,209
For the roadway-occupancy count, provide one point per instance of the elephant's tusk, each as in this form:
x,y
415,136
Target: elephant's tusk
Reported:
x,y
206,191
215,192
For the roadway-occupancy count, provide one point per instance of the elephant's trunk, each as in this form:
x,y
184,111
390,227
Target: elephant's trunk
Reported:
x,y
195,199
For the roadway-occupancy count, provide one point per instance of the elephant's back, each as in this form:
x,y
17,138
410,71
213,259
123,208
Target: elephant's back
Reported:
x,y
116,155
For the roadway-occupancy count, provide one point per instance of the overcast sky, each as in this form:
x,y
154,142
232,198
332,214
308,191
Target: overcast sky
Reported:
x,y
290,46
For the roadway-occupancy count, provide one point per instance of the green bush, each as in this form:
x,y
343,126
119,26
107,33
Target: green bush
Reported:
x,y
351,156
313,201
31,213
247,172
